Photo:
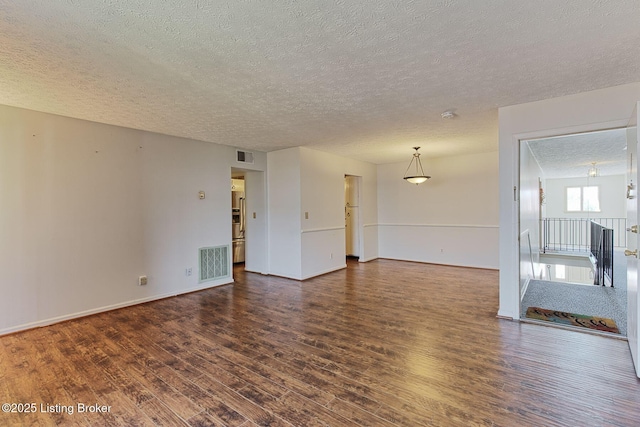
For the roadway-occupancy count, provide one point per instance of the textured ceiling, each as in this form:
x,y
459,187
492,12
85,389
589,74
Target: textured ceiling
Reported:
x,y
571,156
360,78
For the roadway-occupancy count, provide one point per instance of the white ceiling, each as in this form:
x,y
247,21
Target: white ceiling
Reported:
x,y
360,78
571,156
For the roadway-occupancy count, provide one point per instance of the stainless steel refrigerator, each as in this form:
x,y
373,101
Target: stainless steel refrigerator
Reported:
x,y
237,223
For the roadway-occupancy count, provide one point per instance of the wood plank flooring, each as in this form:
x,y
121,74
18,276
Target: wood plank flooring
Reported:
x,y
385,343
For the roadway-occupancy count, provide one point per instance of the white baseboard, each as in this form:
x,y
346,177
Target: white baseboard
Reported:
x,y
320,273
506,315
435,262
58,319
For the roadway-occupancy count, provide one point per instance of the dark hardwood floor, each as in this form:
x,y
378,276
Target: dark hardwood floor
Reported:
x,y
385,343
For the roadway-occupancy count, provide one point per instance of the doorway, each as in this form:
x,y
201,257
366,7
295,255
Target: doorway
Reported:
x,y
568,183
352,216
248,220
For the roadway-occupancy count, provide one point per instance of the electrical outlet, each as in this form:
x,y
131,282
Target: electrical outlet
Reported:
x,y
188,271
142,280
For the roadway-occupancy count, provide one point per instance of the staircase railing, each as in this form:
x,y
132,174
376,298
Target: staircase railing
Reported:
x,y
601,253
574,234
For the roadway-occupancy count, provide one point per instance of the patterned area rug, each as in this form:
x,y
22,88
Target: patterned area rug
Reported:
x,y
571,319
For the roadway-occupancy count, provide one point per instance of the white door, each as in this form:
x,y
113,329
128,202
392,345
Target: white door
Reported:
x,y
633,242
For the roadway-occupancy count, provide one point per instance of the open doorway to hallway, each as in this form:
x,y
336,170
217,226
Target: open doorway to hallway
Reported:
x,y
352,216
573,226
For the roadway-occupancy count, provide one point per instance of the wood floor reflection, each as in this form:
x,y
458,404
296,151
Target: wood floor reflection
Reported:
x,y
384,343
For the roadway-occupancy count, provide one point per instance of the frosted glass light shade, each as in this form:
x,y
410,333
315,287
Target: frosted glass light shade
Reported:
x,y
417,179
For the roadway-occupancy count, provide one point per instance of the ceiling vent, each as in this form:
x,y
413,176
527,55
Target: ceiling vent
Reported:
x,y
244,156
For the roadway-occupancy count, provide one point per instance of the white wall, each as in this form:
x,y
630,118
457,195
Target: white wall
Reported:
x,y
283,183
595,110
86,208
323,233
450,219
613,200
530,176
256,247
322,187
302,181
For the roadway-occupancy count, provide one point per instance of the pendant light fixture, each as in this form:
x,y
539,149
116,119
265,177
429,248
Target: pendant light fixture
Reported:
x,y
593,171
419,177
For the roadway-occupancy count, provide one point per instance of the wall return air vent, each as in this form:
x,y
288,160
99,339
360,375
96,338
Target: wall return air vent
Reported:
x,y
244,156
214,263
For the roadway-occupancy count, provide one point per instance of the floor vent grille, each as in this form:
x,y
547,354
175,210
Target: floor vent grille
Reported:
x,y
214,263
